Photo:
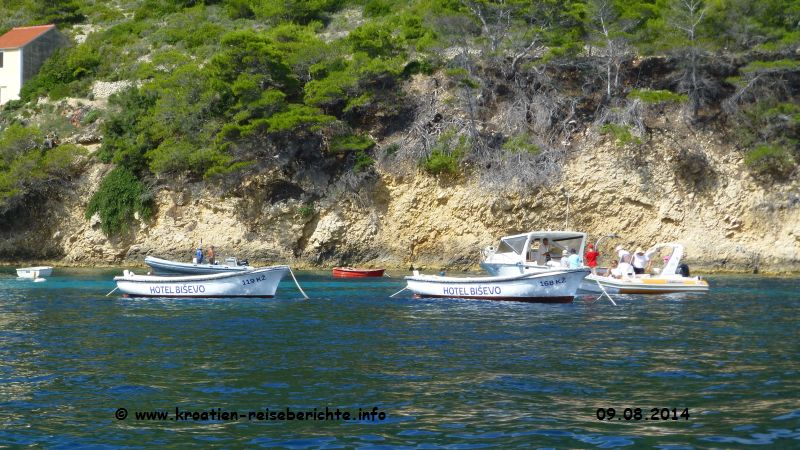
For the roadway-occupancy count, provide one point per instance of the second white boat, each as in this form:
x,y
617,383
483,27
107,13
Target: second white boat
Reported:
x,y
552,286
672,278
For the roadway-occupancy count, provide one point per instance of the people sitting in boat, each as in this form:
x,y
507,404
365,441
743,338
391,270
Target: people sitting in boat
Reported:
x,y
591,256
613,270
683,269
574,260
210,255
548,260
564,261
625,268
640,261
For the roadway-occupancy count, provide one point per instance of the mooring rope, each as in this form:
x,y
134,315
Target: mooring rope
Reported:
x,y
297,284
604,292
401,290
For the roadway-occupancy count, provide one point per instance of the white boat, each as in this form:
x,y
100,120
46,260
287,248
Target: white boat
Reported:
x,y
529,252
167,267
549,286
523,267
672,278
262,282
35,272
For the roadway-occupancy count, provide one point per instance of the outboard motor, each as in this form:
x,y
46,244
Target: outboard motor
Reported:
x,y
683,269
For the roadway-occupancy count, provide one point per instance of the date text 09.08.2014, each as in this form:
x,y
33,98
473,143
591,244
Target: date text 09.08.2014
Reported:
x,y
638,414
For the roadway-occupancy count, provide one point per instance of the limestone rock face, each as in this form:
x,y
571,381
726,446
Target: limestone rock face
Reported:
x,y
725,218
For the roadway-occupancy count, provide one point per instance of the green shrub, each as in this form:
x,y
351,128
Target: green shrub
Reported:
x,y
377,8
770,160
239,9
306,210
351,142
363,161
654,97
298,117
375,40
299,11
521,143
91,116
60,76
120,197
767,66
621,134
27,167
785,111
17,140
440,162
122,142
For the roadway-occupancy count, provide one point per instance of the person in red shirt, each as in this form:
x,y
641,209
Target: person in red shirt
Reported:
x,y
591,257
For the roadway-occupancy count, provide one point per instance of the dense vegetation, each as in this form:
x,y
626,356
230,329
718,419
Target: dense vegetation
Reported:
x,y
241,86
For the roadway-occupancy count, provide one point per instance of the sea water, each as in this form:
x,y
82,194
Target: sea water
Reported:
x,y
78,368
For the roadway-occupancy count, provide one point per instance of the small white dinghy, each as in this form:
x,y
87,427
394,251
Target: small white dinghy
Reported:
x,y
262,282
167,267
35,273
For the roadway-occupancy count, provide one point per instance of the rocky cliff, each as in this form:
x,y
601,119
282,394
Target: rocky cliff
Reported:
x,y
684,186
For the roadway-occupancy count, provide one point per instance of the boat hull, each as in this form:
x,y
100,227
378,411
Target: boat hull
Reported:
x,y
351,272
167,267
648,285
33,272
554,286
261,282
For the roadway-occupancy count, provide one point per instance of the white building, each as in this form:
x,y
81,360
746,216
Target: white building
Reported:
x,y
23,50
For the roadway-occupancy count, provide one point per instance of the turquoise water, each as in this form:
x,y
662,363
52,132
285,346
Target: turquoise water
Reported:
x,y
446,373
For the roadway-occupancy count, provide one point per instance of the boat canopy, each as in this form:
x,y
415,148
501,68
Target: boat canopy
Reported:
x,y
518,245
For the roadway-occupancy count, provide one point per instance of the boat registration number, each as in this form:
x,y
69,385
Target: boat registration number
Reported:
x,y
561,280
254,280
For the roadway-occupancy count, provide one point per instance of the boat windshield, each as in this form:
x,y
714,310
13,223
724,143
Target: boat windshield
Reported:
x,y
515,244
576,243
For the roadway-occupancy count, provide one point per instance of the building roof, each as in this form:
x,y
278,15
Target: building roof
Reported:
x,y
22,36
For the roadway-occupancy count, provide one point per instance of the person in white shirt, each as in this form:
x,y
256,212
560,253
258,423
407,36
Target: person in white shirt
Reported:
x,y
613,270
564,259
622,253
625,270
640,260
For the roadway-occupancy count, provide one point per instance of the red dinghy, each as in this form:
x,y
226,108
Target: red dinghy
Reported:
x,y
354,272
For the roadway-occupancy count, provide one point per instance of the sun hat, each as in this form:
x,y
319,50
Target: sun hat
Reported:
x,y
619,247
590,246
639,250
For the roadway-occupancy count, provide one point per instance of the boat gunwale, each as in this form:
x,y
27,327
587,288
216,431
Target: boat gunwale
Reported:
x,y
127,295
539,299
192,278
493,279
168,263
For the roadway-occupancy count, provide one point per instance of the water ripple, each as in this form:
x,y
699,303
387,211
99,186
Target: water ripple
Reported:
x,y
447,373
